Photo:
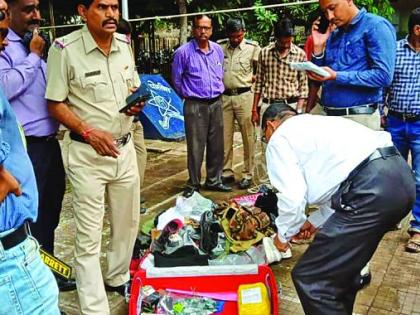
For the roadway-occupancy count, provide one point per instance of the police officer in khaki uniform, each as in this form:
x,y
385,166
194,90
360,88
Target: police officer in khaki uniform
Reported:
x,y
90,73
241,57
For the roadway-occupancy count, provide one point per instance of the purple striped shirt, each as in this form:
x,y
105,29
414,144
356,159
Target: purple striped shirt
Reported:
x,y
198,74
23,80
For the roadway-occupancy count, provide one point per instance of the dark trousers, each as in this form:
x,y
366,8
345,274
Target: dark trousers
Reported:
x,y
204,130
368,204
50,178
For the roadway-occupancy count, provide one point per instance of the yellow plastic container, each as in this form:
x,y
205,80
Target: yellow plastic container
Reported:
x,y
253,299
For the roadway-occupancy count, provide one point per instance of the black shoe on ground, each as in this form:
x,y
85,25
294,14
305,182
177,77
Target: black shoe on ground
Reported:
x,y
365,279
142,200
244,183
362,280
123,290
218,187
66,285
189,191
143,210
228,179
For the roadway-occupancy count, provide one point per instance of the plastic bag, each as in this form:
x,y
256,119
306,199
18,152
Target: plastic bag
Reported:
x,y
194,206
174,304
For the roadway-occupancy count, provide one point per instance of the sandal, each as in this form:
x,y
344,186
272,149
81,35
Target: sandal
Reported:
x,y
413,246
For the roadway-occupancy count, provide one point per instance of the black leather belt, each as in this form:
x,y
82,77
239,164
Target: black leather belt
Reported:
x,y
356,110
377,154
233,92
204,100
404,116
35,139
16,237
279,100
121,141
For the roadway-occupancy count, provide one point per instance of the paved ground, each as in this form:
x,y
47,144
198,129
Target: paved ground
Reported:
x,y
395,288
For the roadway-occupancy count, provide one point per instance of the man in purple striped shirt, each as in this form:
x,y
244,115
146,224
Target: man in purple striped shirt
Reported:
x,y
197,74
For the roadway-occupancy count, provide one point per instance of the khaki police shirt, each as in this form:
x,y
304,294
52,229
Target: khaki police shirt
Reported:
x,y
238,64
93,85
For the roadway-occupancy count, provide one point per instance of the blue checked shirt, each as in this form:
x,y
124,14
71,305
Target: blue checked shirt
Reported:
x,y
404,94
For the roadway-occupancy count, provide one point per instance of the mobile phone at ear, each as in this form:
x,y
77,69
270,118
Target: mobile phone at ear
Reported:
x,y
323,24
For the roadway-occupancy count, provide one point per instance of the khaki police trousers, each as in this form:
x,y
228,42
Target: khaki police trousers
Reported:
x,y
91,177
140,147
239,108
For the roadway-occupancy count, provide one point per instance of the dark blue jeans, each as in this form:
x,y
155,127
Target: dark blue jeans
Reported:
x,y
406,137
50,178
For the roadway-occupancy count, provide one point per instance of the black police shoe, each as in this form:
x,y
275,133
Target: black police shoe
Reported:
x,y
123,290
228,179
244,183
66,285
189,191
218,187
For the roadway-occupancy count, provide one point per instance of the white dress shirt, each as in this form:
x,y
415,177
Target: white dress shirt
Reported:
x,y
308,157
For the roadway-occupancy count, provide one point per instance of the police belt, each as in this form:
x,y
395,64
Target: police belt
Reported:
x,y
121,141
237,91
365,109
280,100
16,237
404,116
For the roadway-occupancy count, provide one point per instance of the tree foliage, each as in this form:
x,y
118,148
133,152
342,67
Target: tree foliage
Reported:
x,y
259,21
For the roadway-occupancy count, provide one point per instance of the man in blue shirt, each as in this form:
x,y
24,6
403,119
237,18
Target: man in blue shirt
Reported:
x,y
403,121
23,81
360,58
32,287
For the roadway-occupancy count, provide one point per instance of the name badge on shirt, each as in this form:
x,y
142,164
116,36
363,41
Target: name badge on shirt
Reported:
x,y
92,74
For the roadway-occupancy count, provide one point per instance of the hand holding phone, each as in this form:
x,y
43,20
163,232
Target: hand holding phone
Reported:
x,y
142,94
323,24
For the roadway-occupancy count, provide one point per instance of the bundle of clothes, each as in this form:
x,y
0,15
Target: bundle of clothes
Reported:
x,y
198,232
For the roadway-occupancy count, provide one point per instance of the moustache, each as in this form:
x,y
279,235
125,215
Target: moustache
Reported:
x,y
109,20
34,22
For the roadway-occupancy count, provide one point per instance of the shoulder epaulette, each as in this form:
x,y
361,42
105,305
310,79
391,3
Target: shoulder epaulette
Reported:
x,y
251,42
64,41
58,43
123,38
223,41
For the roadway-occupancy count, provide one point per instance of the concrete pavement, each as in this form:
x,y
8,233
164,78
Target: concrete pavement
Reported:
x,y
395,287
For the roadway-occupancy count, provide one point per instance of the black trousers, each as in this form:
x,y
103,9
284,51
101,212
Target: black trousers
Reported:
x,y
50,178
367,205
204,130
